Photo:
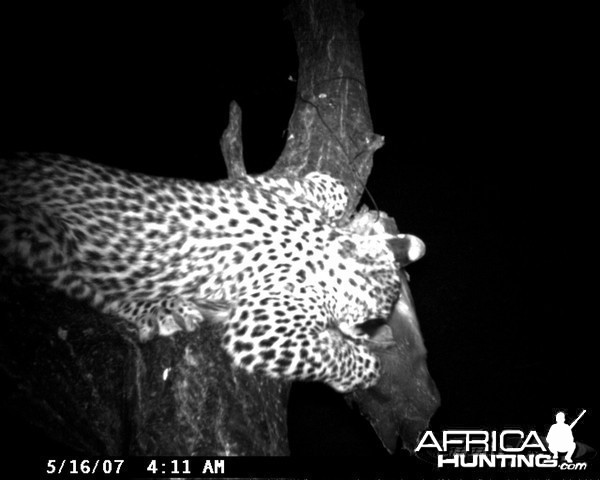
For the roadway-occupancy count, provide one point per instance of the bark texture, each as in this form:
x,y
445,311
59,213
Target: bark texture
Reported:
x,y
330,129
84,379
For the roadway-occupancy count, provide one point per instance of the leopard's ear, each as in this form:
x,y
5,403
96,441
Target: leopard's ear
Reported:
x,y
407,248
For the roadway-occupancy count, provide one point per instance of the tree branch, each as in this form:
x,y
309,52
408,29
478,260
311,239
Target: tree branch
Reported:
x,y
231,144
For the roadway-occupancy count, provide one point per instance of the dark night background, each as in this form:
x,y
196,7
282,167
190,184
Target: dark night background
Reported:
x,y
487,119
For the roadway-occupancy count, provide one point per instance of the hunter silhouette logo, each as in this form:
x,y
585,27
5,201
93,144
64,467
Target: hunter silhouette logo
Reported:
x,y
510,448
560,437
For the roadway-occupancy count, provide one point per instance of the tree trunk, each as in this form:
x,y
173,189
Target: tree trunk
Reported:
x,y
330,129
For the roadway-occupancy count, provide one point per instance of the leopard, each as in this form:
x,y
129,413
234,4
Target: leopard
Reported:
x,y
276,260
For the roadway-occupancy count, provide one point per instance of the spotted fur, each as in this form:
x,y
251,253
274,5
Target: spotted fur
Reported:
x,y
268,257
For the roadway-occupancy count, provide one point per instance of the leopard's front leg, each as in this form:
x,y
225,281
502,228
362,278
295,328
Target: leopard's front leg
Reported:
x,y
168,315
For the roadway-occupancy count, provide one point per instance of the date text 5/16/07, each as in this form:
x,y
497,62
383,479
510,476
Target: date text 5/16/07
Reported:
x,y
84,466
